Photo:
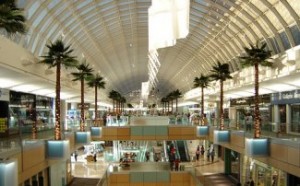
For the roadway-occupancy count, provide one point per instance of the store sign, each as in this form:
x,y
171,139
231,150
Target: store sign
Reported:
x,y
249,100
4,94
86,106
286,97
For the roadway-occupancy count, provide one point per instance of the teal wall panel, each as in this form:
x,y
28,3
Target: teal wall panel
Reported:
x,y
163,176
149,130
136,177
161,130
136,131
150,177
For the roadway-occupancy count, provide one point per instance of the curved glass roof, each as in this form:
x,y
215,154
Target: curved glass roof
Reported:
x,y
113,36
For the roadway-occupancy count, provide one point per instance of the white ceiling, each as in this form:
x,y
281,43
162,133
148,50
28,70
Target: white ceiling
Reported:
x,y
112,35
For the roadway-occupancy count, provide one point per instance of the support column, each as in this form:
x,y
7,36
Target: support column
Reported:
x,y
227,161
288,118
276,118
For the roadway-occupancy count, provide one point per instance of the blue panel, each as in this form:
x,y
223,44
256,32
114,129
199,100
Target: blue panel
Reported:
x,y
257,147
150,177
136,131
163,176
55,149
202,130
96,131
161,130
149,130
221,136
136,177
2,175
81,137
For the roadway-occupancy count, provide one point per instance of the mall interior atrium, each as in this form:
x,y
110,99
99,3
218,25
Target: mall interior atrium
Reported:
x,y
149,92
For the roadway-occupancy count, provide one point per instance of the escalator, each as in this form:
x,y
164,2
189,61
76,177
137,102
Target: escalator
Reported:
x,y
182,150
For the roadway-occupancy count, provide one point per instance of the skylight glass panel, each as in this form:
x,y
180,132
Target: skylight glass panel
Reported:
x,y
91,17
83,3
39,18
32,9
64,16
46,23
51,30
285,14
259,4
60,9
274,20
53,3
86,10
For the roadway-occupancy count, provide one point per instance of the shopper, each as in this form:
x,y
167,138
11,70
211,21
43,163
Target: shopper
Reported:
x,y
75,155
198,153
202,150
251,182
249,120
177,161
95,156
212,155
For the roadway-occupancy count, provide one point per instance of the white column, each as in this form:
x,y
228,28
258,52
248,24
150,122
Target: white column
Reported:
x,y
276,117
288,118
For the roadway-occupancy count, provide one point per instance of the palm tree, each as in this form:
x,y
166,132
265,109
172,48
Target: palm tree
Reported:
x,y
220,72
170,99
202,82
58,56
83,72
113,95
164,102
11,18
122,101
255,56
176,94
96,81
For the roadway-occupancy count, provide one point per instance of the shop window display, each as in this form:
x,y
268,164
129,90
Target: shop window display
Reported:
x,y
295,125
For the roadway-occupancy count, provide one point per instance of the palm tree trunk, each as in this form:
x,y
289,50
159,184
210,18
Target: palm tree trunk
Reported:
x,y
82,122
202,105
96,107
221,106
256,102
57,135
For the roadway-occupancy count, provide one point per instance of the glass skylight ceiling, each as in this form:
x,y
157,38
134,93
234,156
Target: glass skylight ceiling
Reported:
x,y
113,36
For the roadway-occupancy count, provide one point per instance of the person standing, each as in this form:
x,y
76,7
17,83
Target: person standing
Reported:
x,y
212,154
75,155
202,150
198,153
249,120
177,161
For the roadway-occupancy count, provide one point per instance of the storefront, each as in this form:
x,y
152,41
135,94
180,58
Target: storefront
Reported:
x,y
23,110
287,106
262,174
241,107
